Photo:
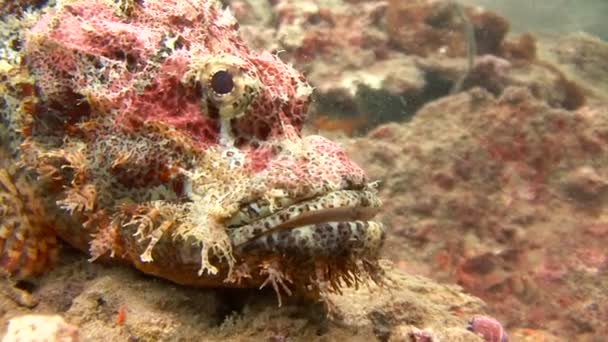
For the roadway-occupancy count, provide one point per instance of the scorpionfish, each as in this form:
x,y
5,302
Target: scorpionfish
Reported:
x,y
148,132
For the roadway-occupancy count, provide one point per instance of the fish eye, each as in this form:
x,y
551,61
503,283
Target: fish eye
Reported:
x,y
228,85
222,82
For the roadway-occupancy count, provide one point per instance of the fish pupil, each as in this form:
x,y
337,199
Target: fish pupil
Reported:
x,y
222,82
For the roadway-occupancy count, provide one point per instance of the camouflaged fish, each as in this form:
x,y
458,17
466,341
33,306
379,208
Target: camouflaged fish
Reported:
x,y
148,132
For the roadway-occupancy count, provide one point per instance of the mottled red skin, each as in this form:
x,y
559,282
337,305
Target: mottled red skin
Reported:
x,y
94,30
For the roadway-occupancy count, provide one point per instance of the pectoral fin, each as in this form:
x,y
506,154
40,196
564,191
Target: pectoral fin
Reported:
x,y
28,244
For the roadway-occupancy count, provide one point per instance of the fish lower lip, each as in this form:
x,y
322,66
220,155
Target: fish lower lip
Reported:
x,y
337,206
330,239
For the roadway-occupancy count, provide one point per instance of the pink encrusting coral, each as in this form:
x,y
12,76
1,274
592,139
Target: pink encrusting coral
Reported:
x,y
489,328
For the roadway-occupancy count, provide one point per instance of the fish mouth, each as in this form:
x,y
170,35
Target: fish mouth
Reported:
x,y
338,223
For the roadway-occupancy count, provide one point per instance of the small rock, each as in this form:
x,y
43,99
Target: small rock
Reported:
x,y
585,184
35,328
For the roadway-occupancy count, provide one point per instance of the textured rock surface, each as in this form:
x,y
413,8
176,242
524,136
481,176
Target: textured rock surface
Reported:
x,y
115,303
582,57
506,196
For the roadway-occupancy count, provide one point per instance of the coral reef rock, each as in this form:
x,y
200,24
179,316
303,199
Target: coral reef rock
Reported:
x,y
115,303
505,196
